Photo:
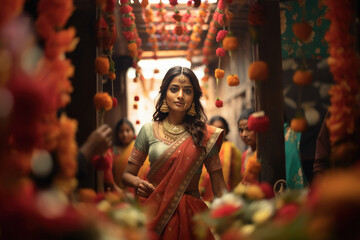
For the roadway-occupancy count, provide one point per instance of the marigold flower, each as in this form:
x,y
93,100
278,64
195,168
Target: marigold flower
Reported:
x,y
302,30
219,73
230,43
220,52
221,35
302,78
298,124
177,17
111,75
258,71
102,65
233,80
135,106
132,47
102,100
60,42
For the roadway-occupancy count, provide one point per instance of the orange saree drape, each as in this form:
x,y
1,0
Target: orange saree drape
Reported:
x,y
170,210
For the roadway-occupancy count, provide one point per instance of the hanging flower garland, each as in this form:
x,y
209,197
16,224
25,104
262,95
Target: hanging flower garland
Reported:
x,y
343,63
10,9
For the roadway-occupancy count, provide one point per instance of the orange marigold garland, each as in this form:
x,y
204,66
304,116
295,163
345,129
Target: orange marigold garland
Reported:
x,y
343,63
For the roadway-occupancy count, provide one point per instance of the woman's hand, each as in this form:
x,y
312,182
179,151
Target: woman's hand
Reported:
x,y
144,189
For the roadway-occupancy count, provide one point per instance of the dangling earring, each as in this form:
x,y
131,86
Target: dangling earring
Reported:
x,y
164,107
191,110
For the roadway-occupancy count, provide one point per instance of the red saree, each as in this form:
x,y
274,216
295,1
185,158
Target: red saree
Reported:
x,y
172,211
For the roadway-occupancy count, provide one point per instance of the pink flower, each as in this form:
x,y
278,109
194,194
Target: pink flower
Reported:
x,y
125,9
221,35
114,102
221,5
220,52
220,19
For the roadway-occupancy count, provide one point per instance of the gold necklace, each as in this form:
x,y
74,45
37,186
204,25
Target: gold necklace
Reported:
x,y
171,131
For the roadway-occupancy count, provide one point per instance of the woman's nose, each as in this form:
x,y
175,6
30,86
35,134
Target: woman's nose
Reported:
x,y
180,94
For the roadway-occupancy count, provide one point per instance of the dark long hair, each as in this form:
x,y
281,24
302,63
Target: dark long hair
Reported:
x,y
195,125
221,119
117,128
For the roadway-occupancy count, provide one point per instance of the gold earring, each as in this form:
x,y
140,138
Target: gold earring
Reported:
x,y
191,110
164,107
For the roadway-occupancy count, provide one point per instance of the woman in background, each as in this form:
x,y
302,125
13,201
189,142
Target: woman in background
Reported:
x,y
230,157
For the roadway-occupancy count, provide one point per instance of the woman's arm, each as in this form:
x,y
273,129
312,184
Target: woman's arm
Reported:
x,y
218,183
130,179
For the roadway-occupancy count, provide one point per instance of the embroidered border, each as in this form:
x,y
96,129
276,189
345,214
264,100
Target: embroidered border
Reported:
x,y
137,157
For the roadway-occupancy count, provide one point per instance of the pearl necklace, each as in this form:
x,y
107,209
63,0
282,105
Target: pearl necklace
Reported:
x,y
172,132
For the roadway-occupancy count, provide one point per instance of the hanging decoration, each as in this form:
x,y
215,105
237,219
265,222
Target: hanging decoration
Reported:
x,y
344,65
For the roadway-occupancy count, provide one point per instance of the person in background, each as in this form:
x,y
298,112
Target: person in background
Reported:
x,y
247,136
295,177
178,143
123,144
230,157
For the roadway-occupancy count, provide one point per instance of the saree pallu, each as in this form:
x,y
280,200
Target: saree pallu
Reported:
x,y
171,211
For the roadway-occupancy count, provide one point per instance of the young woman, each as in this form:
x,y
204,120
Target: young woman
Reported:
x,y
178,142
248,137
123,144
230,157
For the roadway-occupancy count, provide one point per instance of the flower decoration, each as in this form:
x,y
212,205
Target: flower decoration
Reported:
x,y
10,9
219,103
137,122
102,65
230,42
343,62
302,77
298,124
233,80
115,102
258,122
136,98
221,35
258,71
302,30
220,52
219,73
135,106
103,101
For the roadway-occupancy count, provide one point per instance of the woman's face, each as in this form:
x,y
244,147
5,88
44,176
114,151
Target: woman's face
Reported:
x,y
125,134
218,124
180,94
249,137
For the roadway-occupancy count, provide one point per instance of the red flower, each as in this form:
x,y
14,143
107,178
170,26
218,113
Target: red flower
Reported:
x,y
114,102
189,3
123,2
221,5
258,122
220,52
267,190
221,35
287,213
125,9
127,22
224,211
136,98
173,2
137,122
129,35
179,30
219,103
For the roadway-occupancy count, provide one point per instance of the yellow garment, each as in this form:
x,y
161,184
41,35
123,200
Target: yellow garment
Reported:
x,y
120,160
230,157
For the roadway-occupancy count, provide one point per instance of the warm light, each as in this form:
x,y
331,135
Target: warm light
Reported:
x,y
179,1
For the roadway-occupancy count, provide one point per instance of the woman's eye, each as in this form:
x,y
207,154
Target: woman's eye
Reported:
x,y
188,91
173,89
